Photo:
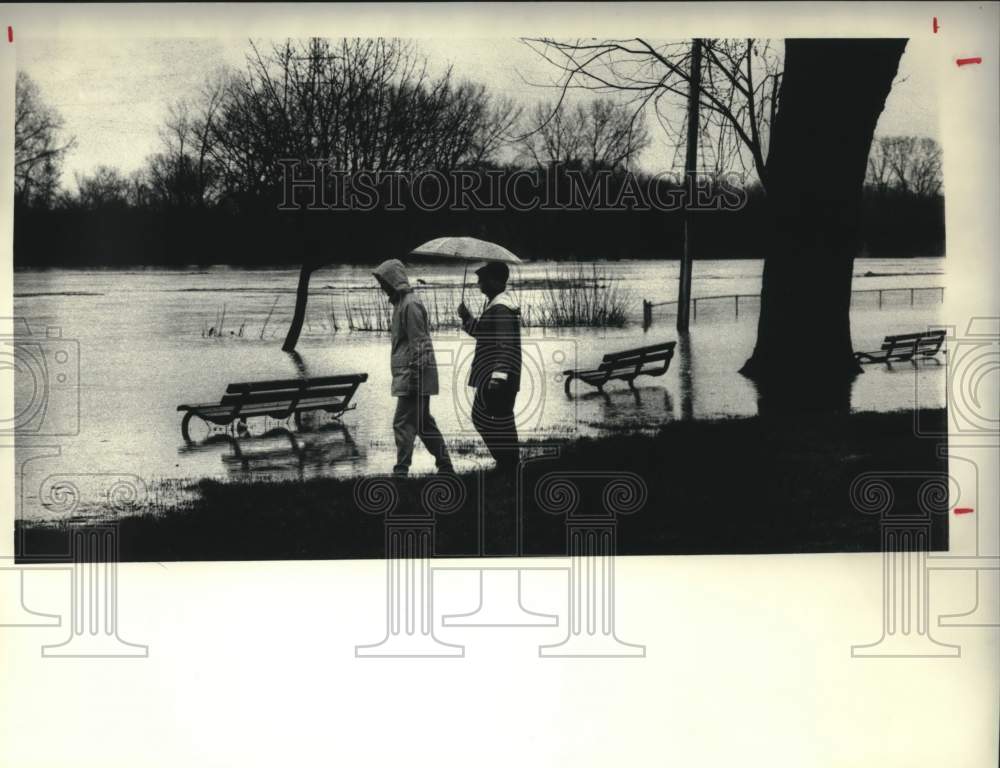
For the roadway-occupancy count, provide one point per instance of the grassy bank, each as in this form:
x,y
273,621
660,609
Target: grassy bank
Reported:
x,y
729,486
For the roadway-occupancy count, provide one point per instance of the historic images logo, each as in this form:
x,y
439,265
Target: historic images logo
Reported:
x,y
321,185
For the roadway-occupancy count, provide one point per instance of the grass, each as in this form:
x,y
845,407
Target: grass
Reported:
x,y
369,309
729,486
573,298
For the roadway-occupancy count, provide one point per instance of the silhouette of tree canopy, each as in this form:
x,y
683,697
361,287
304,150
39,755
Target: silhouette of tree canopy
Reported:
x,y
594,135
104,188
906,164
361,104
39,148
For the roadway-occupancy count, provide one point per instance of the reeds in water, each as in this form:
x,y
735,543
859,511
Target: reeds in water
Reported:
x,y
370,309
573,298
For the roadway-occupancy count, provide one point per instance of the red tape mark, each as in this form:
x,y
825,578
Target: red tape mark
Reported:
x,y
10,34
973,60
936,25
963,510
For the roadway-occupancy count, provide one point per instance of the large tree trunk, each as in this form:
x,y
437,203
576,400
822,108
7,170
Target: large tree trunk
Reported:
x,y
832,94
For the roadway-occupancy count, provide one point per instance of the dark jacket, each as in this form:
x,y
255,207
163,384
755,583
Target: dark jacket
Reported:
x,y
498,343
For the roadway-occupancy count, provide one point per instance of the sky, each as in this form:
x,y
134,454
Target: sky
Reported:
x,y
114,97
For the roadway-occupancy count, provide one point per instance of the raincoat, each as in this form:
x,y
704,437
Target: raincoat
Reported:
x,y
414,368
498,343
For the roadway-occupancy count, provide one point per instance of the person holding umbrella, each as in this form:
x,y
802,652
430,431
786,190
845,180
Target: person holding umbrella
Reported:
x,y
414,371
496,365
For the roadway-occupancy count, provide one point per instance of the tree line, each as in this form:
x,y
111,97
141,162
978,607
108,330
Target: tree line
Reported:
x,y
210,193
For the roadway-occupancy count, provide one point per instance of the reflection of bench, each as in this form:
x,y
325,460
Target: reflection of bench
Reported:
x,y
904,347
626,366
307,450
277,399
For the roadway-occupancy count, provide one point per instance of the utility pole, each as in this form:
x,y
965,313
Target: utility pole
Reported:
x,y
690,174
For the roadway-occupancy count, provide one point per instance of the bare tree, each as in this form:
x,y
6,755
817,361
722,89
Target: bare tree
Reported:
x,y
555,135
781,108
38,147
878,174
613,137
102,189
597,134
494,131
183,174
739,93
909,164
359,104
139,192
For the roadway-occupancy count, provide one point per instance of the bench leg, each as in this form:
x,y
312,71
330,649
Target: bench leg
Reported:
x,y
185,423
566,384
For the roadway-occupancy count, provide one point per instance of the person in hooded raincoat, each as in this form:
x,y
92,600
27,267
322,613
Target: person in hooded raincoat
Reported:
x,y
414,371
496,365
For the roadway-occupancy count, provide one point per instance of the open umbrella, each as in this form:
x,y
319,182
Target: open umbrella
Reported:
x,y
467,249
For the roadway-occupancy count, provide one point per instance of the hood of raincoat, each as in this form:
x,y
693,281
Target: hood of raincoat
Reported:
x,y
394,273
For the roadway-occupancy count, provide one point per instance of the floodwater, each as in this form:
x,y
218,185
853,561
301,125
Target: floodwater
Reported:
x,y
146,341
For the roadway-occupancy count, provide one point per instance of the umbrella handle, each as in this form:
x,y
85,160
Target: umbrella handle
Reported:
x,y
465,276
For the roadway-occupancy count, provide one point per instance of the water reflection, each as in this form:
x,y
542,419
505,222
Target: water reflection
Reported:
x,y
280,453
685,373
803,390
910,365
628,409
800,393
299,362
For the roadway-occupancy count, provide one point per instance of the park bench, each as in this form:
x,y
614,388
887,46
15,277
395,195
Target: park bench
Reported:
x,y
626,366
278,399
904,347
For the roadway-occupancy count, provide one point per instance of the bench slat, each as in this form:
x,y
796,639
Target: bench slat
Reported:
x,y
261,409
905,346
640,352
632,362
279,398
287,395
903,337
319,381
627,365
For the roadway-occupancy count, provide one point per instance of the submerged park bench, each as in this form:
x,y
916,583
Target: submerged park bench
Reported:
x,y
278,399
626,366
904,347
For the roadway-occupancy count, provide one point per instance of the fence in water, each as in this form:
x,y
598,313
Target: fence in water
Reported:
x,y
736,305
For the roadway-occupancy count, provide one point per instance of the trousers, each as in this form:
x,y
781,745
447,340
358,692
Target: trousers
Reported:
x,y
412,418
493,418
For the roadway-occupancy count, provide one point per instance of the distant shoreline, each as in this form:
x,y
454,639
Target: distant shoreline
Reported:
x,y
207,268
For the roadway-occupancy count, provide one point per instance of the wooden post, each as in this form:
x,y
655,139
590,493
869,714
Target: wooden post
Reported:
x,y
647,314
690,174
